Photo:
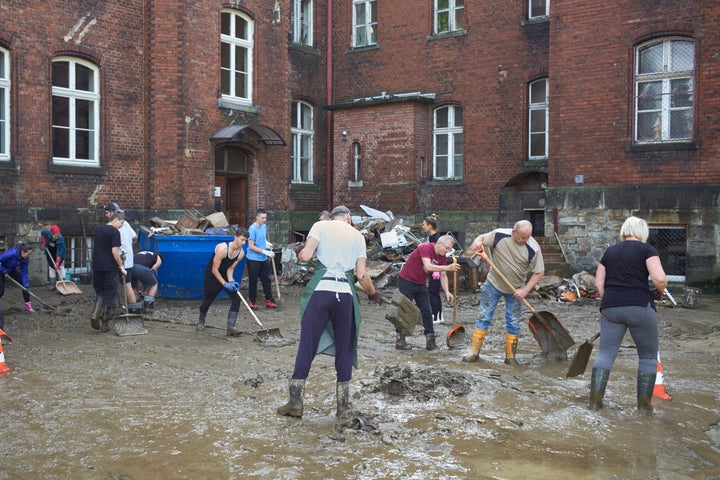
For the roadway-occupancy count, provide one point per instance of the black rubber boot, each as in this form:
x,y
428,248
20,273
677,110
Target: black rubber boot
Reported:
x,y
107,313
231,330
645,387
149,307
294,407
430,342
201,321
598,382
135,308
400,342
97,313
342,391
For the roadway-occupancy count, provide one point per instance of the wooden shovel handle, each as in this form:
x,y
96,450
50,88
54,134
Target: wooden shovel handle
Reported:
x,y
481,252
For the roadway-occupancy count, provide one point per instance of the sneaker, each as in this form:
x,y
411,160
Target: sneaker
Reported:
x,y
252,304
270,304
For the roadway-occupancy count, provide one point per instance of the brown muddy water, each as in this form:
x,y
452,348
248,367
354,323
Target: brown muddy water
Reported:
x,y
181,404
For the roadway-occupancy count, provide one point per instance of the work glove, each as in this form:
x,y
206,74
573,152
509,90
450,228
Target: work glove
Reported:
x,y
269,253
232,286
58,261
436,275
268,245
123,272
375,297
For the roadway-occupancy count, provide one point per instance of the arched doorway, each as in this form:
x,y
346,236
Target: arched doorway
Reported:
x,y
231,183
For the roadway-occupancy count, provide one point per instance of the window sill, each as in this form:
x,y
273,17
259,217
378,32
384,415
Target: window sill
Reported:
x,y
304,187
662,147
8,166
355,184
77,170
538,163
449,182
535,21
301,47
365,48
237,105
443,35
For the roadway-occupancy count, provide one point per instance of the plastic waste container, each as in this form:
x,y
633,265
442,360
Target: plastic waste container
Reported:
x,y
184,260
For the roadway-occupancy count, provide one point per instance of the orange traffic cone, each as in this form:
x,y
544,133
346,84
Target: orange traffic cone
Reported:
x,y
659,390
3,367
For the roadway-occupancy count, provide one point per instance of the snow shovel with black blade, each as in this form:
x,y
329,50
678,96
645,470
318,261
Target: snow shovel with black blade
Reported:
x,y
581,358
551,335
265,333
128,323
29,292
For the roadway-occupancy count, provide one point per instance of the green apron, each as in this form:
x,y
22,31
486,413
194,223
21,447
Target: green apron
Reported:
x,y
327,339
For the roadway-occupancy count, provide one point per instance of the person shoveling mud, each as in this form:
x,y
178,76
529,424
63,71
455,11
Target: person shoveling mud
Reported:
x,y
516,254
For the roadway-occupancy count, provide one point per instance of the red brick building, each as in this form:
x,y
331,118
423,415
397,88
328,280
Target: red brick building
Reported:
x,y
569,115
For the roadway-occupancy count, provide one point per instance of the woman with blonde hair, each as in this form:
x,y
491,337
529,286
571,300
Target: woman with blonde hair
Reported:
x,y
627,304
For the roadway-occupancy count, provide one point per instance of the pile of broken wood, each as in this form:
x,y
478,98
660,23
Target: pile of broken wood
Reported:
x,y
191,222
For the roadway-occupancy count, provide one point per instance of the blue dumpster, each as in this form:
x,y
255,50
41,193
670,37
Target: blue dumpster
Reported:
x,y
184,260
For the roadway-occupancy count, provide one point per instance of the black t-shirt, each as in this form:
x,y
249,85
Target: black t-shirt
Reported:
x,y
106,237
145,258
626,274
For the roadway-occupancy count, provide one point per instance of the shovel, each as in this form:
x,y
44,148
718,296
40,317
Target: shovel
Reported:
x,y
581,358
28,291
406,314
65,287
264,334
277,284
456,336
128,323
551,335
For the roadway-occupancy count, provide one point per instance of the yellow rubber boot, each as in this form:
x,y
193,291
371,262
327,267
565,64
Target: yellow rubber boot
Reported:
x,y
475,346
511,342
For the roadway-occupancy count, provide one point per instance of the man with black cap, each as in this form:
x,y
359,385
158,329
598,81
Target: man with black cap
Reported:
x,y
330,309
127,237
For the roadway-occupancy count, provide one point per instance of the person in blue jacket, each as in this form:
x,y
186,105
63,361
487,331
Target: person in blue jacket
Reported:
x,y
14,263
55,252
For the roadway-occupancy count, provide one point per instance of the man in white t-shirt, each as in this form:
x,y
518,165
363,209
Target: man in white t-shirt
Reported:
x,y
330,309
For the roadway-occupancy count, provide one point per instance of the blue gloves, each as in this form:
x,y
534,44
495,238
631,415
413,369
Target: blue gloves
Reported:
x,y
232,286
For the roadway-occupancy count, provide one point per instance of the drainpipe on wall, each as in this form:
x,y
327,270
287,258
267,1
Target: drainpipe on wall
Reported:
x,y
329,118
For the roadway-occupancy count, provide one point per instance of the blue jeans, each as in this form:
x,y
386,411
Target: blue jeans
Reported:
x,y
642,323
420,295
489,298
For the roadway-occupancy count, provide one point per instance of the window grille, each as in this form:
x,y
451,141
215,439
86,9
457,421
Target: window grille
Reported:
x,y
671,244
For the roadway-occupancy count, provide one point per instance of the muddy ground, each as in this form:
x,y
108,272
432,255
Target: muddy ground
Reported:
x,y
181,404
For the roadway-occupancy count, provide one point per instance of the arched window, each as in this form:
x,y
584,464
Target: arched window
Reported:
x,y
75,112
4,105
664,91
448,142
236,56
302,133
538,120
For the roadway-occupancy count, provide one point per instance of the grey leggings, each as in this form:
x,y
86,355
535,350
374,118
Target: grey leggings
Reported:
x,y
642,323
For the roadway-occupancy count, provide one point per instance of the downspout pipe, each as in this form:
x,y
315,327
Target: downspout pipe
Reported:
x,y
330,87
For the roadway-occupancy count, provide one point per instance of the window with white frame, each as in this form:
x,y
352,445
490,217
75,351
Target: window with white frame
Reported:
x,y
364,23
301,133
448,142
449,15
538,119
75,112
236,56
538,8
664,91
4,105
302,22
357,157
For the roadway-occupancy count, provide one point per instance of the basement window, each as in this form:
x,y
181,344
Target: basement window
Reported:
x,y
671,244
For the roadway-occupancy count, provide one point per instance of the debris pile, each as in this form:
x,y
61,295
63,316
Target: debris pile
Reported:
x,y
191,222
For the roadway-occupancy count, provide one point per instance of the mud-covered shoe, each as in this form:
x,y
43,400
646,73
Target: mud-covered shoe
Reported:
x,y
95,323
252,304
28,308
233,332
270,304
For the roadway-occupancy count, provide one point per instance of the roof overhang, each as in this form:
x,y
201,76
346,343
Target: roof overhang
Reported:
x,y
234,132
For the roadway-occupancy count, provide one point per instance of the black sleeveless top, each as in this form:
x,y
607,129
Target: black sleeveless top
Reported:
x,y
224,263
